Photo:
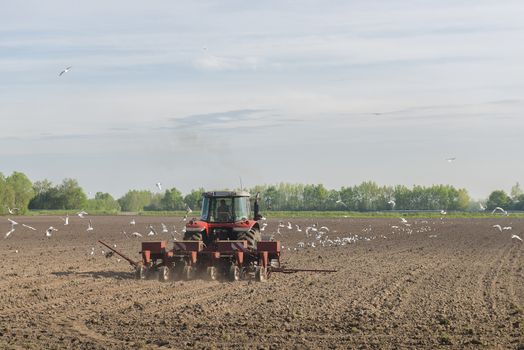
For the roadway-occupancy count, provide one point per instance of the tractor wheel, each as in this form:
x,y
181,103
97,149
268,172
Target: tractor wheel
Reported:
x,y
261,274
188,272
141,272
193,236
234,273
212,273
252,237
163,274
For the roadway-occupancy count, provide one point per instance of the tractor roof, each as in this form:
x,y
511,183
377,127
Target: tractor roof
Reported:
x,y
226,194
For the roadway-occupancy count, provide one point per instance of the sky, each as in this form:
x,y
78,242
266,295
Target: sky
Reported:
x,y
201,93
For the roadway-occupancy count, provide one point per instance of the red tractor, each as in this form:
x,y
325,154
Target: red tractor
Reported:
x,y
224,241
225,216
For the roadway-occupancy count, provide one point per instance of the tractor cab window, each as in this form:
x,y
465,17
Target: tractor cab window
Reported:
x,y
225,209
241,208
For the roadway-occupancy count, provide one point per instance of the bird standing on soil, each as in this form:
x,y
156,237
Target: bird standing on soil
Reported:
x,y
49,231
66,220
164,228
132,222
90,226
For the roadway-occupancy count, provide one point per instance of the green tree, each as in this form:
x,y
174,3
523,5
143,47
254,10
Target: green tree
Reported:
x,y
498,198
194,199
172,200
135,200
20,191
103,202
71,195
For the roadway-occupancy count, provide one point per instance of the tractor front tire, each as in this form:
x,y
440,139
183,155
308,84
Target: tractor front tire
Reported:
x,y
252,237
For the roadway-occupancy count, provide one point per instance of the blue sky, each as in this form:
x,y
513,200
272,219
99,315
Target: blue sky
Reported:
x,y
197,94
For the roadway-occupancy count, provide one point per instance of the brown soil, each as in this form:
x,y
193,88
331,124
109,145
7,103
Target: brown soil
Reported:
x,y
450,283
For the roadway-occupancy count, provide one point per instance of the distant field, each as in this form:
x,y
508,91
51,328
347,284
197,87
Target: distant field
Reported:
x,y
305,214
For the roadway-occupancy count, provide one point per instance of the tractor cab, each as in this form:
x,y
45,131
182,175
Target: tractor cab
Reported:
x,y
225,206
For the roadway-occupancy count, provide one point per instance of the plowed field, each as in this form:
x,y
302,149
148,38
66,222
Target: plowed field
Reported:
x,y
449,283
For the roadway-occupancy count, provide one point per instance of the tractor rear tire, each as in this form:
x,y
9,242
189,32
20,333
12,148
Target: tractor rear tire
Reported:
x,y
252,237
193,236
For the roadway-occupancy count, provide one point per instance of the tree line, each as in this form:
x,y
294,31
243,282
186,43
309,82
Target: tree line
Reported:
x,y
17,191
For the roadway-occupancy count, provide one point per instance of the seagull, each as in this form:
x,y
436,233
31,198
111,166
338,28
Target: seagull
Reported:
x,y
89,226
159,185
298,228
92,251
443,212
66,220
65,71
281,224
9,233
452,159
301,244
13,223
339,201
188,209
164,228
12,210
507,228
498,227
49,231
324,228
136,234
289,227
403,220
81,214
132,222
516,237
263,226
499,209
392,202
29,227
152,231
482,207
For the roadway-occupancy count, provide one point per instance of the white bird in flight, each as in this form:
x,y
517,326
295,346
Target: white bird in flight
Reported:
x,y
507,228
452,159
136,234
12,210
443,212
516,237
49,231
164,228
90,226
403,220
159,185
82,214
339,201
13,223
9,233
499,209
498,227
66,220
152,231
65,71
29,227
392,202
